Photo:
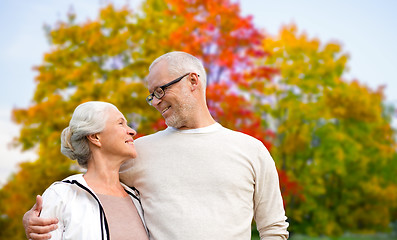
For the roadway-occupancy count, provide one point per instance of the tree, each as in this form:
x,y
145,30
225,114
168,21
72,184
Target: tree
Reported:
x,y
332,136
226,43
107,59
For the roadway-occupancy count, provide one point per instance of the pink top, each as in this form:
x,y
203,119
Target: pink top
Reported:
x,y
123,219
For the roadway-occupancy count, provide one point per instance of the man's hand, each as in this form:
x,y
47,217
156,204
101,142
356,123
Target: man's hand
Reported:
x,y
37,228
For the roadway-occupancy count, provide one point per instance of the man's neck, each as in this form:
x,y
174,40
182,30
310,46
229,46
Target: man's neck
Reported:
x,y
198,125
200,120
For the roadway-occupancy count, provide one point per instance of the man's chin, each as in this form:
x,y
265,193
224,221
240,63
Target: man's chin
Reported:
x,y
173,123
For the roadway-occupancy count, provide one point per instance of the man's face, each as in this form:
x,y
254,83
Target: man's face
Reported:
x,y
177,104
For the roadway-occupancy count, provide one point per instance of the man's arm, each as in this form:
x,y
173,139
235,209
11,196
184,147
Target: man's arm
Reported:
x,y
37,228
268,203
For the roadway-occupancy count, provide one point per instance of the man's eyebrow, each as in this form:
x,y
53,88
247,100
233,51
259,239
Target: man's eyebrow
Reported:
x,y
154,87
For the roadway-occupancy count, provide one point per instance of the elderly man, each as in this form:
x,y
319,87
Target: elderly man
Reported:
x,y
197,179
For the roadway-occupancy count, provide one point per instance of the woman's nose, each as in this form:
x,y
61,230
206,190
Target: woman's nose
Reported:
x,y
131,131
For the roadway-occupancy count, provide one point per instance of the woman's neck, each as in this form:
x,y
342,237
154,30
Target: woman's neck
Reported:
x,y
103,178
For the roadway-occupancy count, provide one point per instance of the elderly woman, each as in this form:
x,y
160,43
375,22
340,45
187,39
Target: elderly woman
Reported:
x,y
95,205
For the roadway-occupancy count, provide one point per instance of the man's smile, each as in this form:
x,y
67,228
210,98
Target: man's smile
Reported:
x,y
165,109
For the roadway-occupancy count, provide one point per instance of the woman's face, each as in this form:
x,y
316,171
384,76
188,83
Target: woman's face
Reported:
x,y
117,137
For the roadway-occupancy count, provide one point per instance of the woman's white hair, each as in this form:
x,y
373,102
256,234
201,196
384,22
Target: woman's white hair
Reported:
x,y
180,63
88,118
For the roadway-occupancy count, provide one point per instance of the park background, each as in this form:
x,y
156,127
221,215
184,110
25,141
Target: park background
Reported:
x,y
304,77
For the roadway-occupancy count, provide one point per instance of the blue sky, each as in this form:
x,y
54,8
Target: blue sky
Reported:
x,y
365,28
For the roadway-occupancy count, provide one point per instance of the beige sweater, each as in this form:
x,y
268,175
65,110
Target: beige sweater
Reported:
x,y
205,184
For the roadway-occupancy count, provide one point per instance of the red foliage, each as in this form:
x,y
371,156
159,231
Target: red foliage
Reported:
x,y
235,112
216,32
289,187
159,125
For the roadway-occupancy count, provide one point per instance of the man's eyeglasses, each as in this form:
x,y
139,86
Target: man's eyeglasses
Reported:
x,y
159,91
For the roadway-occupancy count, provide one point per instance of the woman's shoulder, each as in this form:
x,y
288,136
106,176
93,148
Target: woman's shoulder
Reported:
x,y
64,187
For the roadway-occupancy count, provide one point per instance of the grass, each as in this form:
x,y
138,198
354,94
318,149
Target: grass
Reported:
x,y
380,236
348,237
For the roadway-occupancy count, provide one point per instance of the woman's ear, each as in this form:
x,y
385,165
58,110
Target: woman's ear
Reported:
x,y
94,139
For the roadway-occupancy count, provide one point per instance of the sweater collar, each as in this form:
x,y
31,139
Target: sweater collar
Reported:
x,y
211,128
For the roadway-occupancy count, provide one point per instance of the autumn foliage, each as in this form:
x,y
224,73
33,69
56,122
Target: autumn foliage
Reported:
x,y
331,138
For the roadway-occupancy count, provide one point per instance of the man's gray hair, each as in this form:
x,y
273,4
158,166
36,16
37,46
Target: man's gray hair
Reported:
x,y
88,118
180,63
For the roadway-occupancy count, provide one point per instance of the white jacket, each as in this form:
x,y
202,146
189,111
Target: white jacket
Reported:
x,y
79,210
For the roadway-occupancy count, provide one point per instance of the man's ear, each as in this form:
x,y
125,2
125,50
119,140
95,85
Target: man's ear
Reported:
x,y
94,139
194,81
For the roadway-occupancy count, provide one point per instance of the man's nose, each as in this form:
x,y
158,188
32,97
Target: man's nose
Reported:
x,y
155,101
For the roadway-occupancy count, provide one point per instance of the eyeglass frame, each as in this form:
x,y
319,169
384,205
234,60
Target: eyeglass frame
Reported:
x,y
151,96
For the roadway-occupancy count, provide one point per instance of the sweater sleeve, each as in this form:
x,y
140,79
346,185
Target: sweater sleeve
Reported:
x,y
53,207
269,211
